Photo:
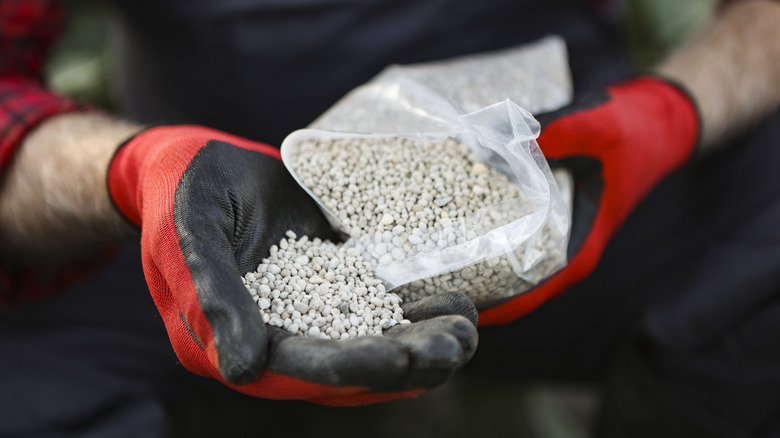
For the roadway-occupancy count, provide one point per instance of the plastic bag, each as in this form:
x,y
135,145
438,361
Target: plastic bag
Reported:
x,y
427,97
495,251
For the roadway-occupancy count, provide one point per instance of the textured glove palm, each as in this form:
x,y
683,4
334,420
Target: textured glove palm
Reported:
x,y
210,205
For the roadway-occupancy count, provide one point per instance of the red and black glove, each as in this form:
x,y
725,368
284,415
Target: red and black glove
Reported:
x,y
619,145
210,205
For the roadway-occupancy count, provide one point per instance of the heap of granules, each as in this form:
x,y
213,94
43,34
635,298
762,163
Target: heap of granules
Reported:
x,y
319,289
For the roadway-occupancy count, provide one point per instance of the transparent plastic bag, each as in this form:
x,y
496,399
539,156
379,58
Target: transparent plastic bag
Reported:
x,y
427,97
519,240
491,252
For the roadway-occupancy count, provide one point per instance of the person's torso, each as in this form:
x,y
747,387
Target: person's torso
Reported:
x,y
263,68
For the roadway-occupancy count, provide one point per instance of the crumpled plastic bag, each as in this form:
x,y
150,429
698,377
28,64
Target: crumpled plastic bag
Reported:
x,y
493,253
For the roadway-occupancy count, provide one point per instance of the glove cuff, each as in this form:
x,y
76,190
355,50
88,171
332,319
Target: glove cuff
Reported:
x,y
689,103
674,104
122,179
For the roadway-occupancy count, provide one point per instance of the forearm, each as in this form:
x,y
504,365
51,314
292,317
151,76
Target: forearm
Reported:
x,y
732,68
54,202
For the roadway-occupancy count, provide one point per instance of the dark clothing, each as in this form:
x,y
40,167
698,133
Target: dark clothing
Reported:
x,y
262,69
682,310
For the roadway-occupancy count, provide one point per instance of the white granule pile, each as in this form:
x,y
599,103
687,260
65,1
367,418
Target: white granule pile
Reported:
x,y
399,184
318,289
405,195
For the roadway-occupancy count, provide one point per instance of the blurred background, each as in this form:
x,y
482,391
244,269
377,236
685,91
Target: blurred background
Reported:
x,y
79,66
79,63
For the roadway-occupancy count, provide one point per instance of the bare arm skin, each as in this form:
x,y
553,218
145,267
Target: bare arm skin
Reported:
x,y
54,203
732,68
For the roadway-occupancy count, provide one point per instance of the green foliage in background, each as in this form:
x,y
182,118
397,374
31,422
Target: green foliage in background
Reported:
x,y
78,64
654,27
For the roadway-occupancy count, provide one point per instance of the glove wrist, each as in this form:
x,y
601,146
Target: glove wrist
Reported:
x,y
122,179
689,105
671,103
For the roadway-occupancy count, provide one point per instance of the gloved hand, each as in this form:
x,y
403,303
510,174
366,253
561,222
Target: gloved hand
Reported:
x,y
210,205
619,145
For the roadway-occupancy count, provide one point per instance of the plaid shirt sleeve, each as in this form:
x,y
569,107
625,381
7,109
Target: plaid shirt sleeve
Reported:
x,y
27,27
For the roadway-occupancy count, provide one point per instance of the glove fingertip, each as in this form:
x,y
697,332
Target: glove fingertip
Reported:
x,y
435,350
466,332
240,370
447,303
371,362
242,356
430,331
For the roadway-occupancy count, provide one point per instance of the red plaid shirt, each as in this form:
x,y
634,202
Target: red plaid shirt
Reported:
x,y
27,27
